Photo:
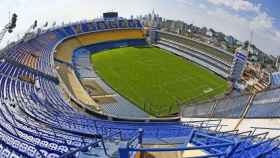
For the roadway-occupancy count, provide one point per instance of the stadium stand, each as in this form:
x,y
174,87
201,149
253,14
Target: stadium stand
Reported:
x,y
212,58
192,55
275,79
198,110
217,52
82,64
231,107
111,36
120,107
38,122
76,89
123,108
265,104
203,56
227,107
64,51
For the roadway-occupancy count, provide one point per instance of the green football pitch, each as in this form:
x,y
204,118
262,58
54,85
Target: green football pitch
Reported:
x,y
156,80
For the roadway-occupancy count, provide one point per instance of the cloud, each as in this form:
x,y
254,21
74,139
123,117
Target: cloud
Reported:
x,y
202,6
266,36
186,2
238,18
221,16
277,33
237,5
262,21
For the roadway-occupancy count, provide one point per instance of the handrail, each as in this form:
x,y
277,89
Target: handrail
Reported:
x,y
256,135
201,121
125,150
66,155
207,123
213,137
205,126
179,148
269,128
132,139
240,133
225,132
263,128
244,132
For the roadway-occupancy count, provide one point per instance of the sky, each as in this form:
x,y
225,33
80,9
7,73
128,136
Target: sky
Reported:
x,y
233,17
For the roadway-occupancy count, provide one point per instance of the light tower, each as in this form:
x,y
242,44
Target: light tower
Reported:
x,y
9,27
29,33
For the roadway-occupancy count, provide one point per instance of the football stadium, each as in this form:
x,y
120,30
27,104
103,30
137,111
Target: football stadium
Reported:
x,y
113,87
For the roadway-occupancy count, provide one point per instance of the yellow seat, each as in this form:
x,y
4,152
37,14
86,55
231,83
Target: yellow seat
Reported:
x,y
64,51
